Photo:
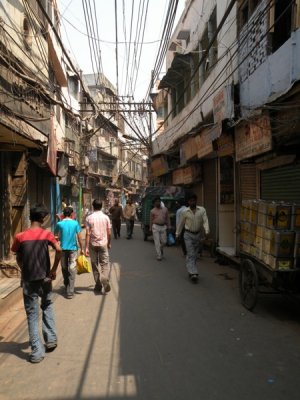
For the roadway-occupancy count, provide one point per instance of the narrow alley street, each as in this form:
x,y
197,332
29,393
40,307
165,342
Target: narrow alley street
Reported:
x,y
158,336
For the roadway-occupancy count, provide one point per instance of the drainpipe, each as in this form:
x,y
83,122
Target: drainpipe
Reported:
x,y
53,202
80,199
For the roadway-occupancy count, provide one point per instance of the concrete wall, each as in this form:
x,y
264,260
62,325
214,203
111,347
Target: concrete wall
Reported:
x,y
13,13
273,77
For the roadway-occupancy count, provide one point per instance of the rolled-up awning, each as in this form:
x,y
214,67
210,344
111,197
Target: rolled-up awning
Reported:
x,y
180,64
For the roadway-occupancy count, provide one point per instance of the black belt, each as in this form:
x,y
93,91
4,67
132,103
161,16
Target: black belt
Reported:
x,y
160,224
192,231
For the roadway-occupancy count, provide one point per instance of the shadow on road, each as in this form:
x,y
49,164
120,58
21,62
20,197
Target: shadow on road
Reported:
x,y
15,348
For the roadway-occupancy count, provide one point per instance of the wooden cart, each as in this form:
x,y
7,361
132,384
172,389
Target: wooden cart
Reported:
x,y
256,278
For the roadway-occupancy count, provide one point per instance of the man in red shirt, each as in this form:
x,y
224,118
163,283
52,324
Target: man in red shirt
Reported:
x,y
31,247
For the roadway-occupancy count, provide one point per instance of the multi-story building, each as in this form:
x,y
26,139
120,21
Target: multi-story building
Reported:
x,y
114,170
196,145
232,129
40,123
31,77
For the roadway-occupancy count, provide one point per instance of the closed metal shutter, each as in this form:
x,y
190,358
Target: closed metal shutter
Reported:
x,y
210,194
248,183
282,183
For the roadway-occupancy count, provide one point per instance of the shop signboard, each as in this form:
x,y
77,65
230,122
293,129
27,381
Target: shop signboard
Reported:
x,y
223,104
51,152
189,149
205,140
177,176
204,146
253,138
190,173
185,175
225,145
159,166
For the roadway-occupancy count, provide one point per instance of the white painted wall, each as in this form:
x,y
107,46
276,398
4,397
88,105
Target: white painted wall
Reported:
x,y
272,78
194,18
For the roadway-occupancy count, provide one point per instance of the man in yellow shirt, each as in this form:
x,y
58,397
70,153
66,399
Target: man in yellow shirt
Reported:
x,y
193,220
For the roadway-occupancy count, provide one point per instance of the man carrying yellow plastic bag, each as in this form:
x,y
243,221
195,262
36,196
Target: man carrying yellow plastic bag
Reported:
x,y
97,243
68,231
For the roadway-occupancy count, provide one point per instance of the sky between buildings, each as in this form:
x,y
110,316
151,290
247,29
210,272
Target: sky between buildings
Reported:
x,y
135,79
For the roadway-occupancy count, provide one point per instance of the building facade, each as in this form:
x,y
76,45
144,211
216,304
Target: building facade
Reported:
x,y
232,128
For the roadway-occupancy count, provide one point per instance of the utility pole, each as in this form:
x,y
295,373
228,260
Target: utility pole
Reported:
x,y
117,66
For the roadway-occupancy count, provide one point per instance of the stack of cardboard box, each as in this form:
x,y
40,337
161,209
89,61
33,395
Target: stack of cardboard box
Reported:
x,y
270,232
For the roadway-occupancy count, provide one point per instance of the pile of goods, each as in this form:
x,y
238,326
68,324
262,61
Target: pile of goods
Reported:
x,y
270,232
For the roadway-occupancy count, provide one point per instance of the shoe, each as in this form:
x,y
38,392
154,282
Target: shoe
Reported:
x,y
106,286
70,296
50,346
34,360
194,277
97,288
158,258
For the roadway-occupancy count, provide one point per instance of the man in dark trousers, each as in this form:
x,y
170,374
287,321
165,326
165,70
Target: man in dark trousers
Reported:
x,y
193,220
116,212
33,258
129,216
68,231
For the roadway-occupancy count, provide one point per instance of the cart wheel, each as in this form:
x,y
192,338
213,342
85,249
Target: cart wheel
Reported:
x,y
248,281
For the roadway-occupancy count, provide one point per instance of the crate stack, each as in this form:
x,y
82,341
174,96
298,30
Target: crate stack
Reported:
x,y
270,232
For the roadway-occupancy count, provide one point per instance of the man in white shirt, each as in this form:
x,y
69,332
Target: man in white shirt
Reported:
x,y
159,223
192,220
179,212
97,243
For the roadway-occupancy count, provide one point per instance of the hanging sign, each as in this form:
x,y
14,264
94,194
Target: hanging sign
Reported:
x,y
188,149
253,138
159,166
225,145
223,104
51,152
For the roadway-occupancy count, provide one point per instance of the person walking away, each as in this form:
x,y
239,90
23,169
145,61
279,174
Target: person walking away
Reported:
x,y
116,212
159,223
129,216
68,231
98,241
32,253
193,220
178,217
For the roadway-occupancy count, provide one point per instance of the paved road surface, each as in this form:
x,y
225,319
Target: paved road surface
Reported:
x,y
156,336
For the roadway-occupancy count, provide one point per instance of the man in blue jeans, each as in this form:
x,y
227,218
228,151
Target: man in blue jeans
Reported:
x,y
68,231
33,259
